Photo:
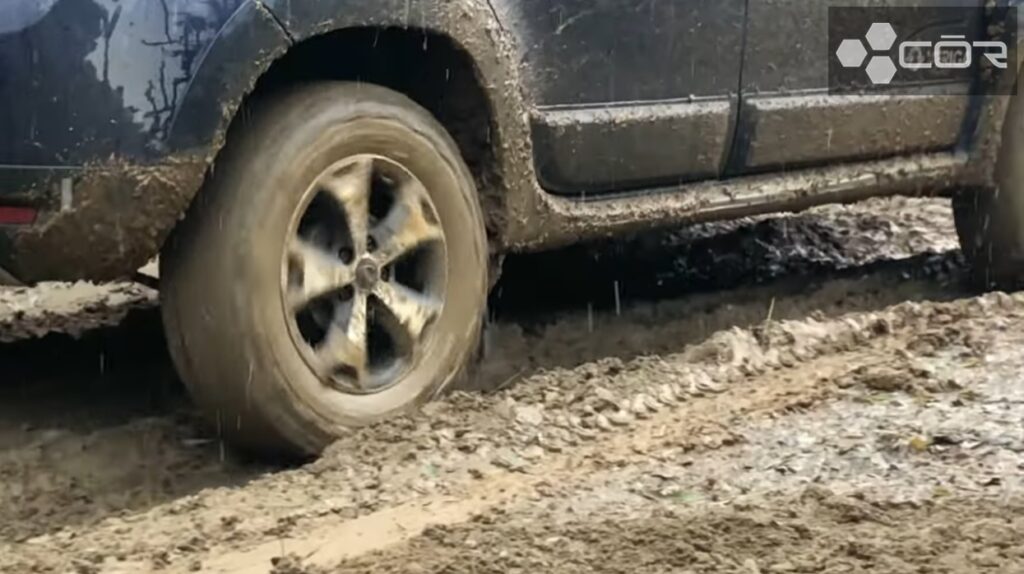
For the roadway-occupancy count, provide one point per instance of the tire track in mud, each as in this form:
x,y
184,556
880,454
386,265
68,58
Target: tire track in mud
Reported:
x,y
391,477
909,460
817,531
684,403
555,365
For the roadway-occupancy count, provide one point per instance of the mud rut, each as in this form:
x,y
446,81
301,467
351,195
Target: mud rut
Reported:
x,y
808,393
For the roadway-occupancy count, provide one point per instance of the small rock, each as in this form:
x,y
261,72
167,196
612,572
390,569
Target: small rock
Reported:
x,y
529,415
621,418
639,407
506,408
666,395
603,423
705,384
920,444
532,452
508,460
679,392
552,399
550,444
605,395
652,404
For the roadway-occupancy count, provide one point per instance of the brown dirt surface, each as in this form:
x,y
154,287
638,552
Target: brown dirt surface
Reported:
x,y
805,393
816,531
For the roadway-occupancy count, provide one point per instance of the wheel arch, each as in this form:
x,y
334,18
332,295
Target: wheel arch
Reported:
x,y
464,73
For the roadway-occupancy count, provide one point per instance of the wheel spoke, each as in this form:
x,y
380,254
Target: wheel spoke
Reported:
x,y
413,310
351,190
321,272
407,225
344,346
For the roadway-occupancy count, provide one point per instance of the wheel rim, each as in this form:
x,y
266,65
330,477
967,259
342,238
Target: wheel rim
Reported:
x,y
364,274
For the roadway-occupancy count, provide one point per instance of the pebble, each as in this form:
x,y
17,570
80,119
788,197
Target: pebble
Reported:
x,y
639,407
505,458
532,453
680,392
605,395
529,415
666,395
621,418
652,404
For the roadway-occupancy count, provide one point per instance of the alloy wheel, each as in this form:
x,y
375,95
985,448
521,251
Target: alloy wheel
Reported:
x,y
364,273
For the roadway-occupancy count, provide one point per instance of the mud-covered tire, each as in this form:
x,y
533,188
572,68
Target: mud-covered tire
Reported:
x,y
230,323
990,223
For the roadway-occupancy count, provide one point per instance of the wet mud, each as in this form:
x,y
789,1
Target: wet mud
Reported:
x,y
806,393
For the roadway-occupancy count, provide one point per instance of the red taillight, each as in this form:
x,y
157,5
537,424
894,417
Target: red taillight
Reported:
x,y
16,215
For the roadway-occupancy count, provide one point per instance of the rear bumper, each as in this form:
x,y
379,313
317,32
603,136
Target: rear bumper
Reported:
x,y
98,222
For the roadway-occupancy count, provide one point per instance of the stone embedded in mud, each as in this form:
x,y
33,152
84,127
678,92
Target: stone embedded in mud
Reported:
x,y
920,444
529,415
505,458
506,408
621,418
552,399
555,444
720,382
666,395
679,392
605,396
638,407
652,404
532,453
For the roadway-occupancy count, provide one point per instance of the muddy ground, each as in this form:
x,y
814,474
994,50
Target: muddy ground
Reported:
x,y
809,393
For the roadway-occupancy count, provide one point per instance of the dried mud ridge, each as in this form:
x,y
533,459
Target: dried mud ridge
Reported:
x,y
865,416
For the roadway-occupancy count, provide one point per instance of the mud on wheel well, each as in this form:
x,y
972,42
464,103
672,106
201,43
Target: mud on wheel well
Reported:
x,y
429,68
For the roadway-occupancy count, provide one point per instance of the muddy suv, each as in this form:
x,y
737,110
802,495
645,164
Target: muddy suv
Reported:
x,y
331,184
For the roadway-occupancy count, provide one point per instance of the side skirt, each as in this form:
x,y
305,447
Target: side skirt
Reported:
x,y
557,220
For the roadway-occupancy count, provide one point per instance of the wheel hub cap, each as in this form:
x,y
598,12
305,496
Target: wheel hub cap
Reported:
x,y
367,274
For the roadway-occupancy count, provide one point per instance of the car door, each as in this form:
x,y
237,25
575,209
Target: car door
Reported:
x,y
787,116
628,94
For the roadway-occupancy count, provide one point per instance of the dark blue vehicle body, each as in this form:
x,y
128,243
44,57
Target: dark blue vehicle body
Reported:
x,y
603,115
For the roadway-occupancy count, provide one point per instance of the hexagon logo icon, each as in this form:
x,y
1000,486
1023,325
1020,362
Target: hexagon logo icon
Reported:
x,y
881,70
881,36
851,53
888,46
